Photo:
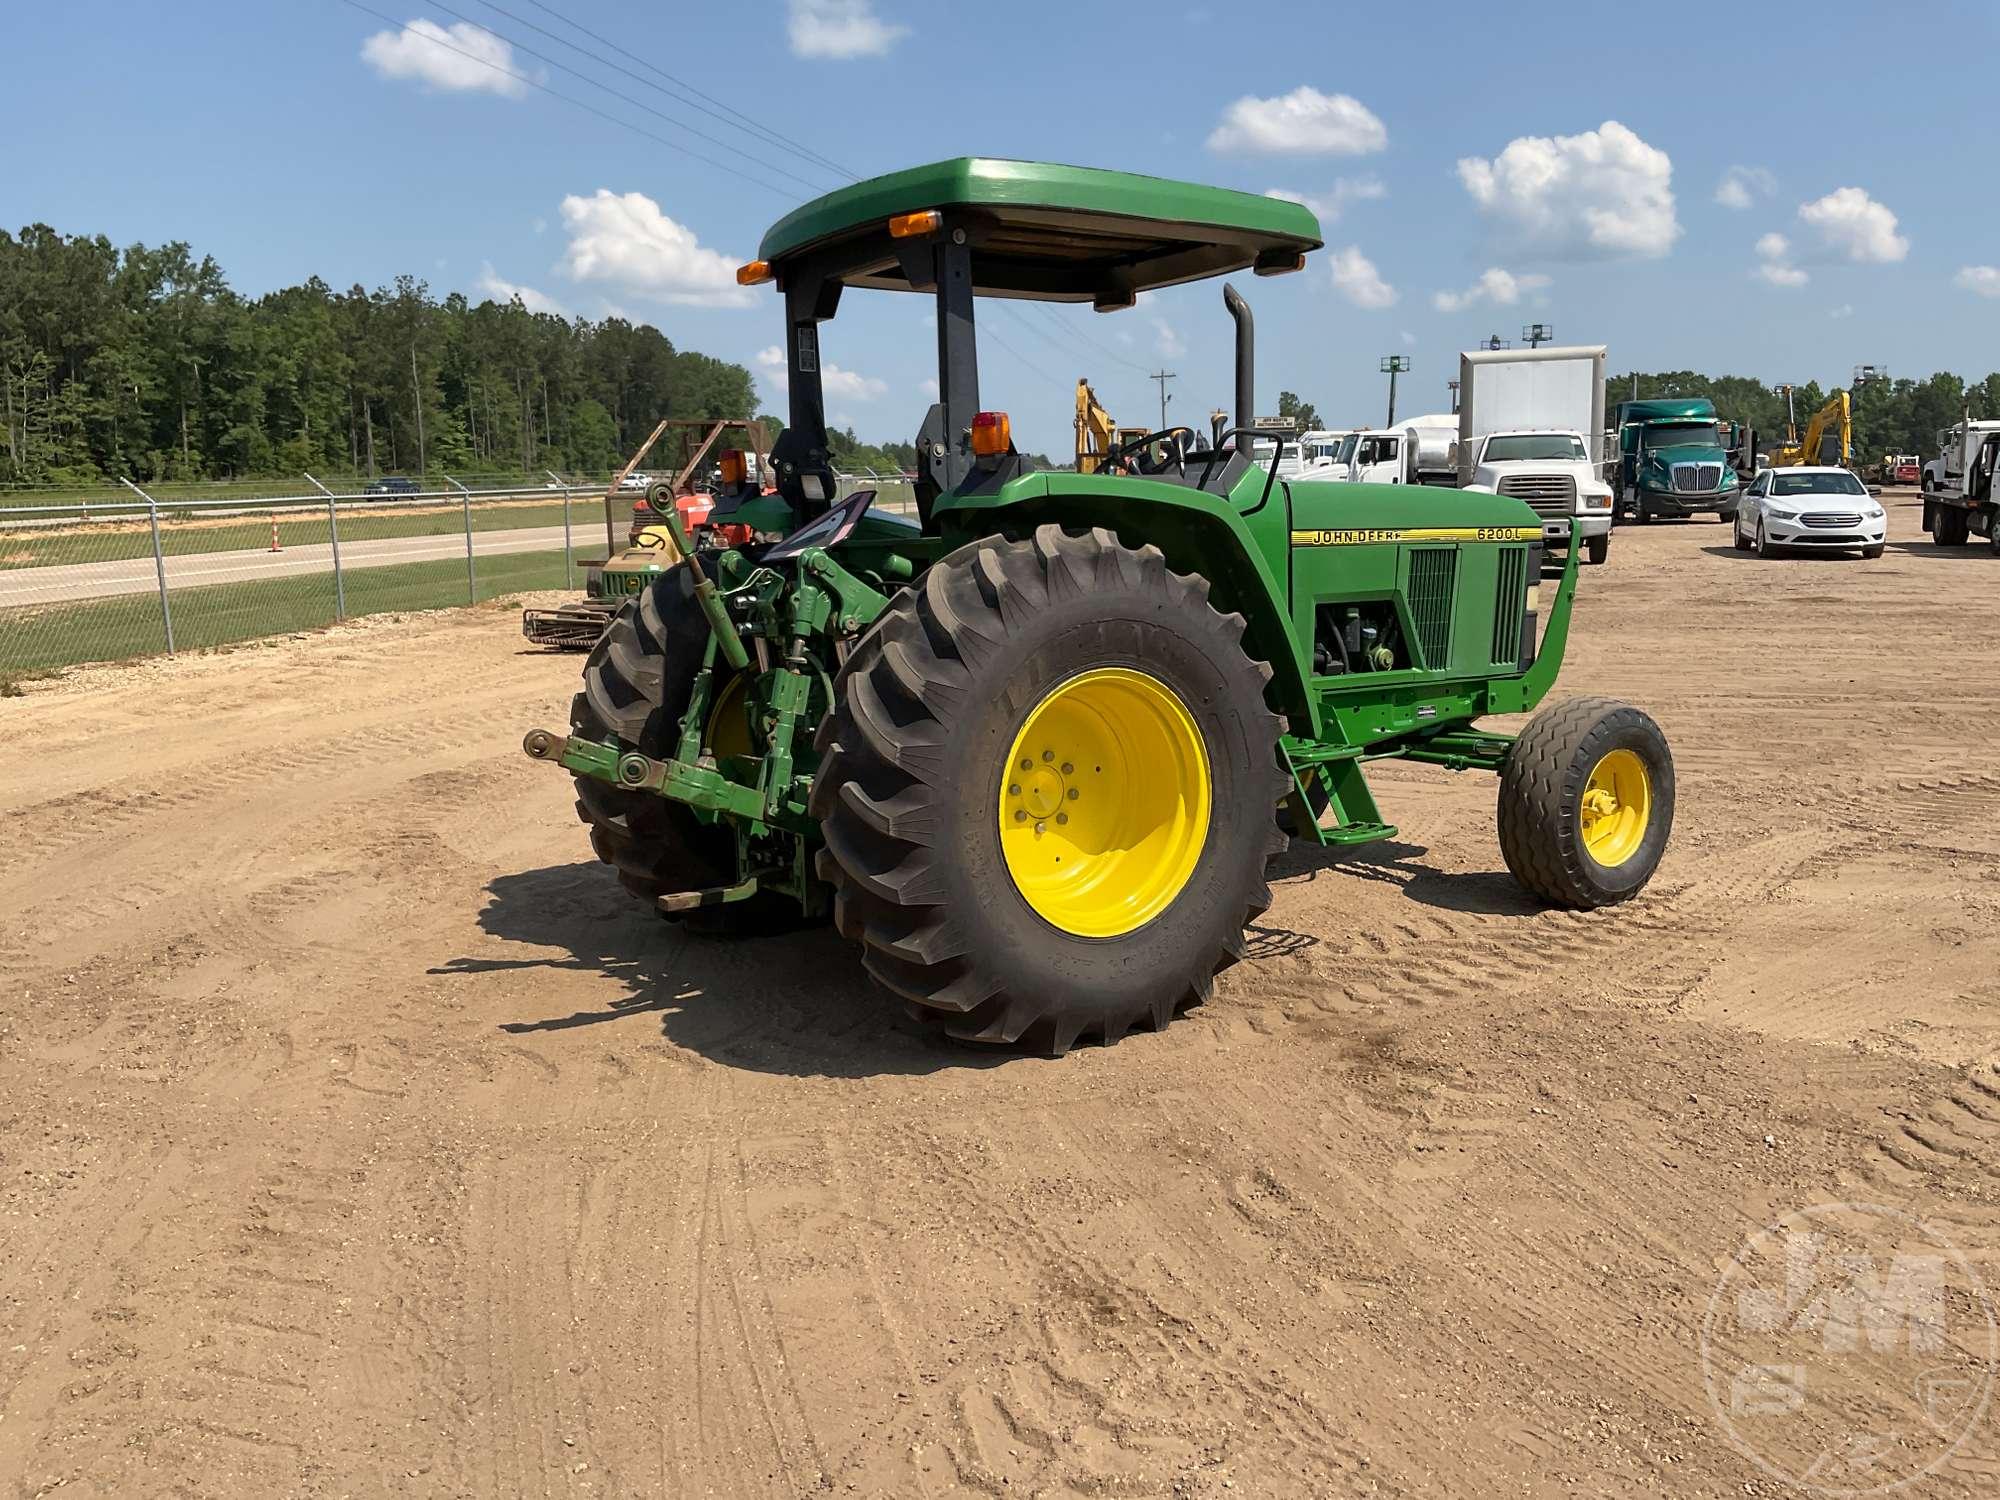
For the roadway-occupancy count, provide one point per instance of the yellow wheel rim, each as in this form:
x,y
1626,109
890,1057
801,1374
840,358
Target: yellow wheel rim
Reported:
x,y
728,720
1616,808
1104,803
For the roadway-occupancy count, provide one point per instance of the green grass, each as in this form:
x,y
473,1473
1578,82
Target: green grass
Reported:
x,y
36,639
46,548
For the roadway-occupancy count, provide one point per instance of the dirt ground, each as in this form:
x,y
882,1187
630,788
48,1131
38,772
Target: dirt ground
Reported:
x,y
358,1136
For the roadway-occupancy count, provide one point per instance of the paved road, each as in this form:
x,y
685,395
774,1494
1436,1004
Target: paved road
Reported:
x,y
136,575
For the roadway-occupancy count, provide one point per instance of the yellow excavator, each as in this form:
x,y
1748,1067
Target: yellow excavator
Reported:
x,y
1096,433
1832,423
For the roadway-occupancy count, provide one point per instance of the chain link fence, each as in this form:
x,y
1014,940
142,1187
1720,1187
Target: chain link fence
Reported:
x,y
115,579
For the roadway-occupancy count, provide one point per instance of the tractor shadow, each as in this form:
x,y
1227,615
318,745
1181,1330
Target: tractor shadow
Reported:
x,y
1392,862
795,1002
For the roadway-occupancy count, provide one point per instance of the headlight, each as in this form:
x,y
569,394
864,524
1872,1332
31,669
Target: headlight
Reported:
x,y
1597,502
1784,515
1875,513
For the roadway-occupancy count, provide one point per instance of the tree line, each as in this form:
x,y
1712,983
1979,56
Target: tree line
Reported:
x,y
144,362
1889,416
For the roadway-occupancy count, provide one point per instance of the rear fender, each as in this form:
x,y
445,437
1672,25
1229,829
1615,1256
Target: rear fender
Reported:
x,y
1239,549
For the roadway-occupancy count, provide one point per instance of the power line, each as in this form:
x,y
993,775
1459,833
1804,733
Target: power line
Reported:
x,y
775,138
1076,333
626,98
536,84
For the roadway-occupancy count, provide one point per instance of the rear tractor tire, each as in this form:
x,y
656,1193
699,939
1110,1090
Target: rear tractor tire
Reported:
x,y
1049,791
636,687
1587,803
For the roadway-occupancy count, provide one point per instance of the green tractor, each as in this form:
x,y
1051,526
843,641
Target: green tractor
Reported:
x,y
1035,750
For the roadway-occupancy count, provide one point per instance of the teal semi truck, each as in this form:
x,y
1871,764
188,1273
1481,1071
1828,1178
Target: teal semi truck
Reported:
x,y
1673,460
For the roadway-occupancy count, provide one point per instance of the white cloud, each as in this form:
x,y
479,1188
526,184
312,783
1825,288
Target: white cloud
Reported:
x,y
491,284
1495,286
1982,280
1845,310
835,383
929,386
624,240
1304,122
1774,257
1355,277
1855,225
1602,193
840,29
1741,187
460,57
1167,343
1329,206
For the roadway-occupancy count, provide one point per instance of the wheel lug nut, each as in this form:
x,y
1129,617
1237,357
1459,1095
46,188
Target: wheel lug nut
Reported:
x,y
1048,755
1074,794
1021,815
1062,817
1027,765
1014,789
1068,769
1041,828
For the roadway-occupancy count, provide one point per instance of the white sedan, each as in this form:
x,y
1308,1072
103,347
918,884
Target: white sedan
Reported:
x,y
1809,508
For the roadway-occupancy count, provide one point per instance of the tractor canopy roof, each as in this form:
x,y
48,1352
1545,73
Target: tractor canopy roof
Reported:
x,y
1038,230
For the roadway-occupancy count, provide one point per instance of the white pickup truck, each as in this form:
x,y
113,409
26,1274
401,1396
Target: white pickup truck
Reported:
x,y
1550,470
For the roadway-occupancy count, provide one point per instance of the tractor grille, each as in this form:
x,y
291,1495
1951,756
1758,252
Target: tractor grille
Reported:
x,y
1697,479
1830,522
1509,602
1433,570
1546,494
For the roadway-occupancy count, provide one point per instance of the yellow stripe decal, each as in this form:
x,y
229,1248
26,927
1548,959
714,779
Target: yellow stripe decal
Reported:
x,y
1364,538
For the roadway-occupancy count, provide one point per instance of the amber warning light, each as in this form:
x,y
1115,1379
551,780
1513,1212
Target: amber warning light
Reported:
x,y
756,273
909,226
992,434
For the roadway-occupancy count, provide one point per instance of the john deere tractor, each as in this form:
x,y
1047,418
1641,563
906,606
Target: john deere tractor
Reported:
x,y
1035,750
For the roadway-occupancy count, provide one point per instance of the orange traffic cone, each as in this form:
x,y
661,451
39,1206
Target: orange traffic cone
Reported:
x,y
274,535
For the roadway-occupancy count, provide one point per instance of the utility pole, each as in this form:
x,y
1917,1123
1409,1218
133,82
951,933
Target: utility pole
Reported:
x,y
1452,386
1538,334
417,395
1393,365
1163,376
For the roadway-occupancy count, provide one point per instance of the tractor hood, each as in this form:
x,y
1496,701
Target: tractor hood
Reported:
x,y
1402,508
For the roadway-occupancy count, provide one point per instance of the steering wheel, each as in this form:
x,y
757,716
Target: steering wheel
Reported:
x,y
1131,456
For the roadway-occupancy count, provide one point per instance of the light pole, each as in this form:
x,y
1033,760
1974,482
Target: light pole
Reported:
x,y
1392,366
1494,341
1538,334
1452,386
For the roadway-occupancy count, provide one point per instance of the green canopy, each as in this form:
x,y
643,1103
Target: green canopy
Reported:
x,y
1046,231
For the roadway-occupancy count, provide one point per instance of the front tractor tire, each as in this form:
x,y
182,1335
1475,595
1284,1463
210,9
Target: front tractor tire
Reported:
x,y
1049,791
1587,803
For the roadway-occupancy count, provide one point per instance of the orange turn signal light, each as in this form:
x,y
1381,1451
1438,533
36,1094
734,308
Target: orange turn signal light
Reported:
x,y
992,434
756,273
909,226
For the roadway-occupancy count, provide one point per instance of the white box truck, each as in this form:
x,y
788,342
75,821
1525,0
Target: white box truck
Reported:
x,y
1531,425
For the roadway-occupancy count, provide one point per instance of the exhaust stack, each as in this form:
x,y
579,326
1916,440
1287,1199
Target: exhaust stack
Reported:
x,y
1246,356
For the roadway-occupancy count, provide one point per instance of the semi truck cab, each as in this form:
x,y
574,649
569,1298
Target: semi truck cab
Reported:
x,y
1673,460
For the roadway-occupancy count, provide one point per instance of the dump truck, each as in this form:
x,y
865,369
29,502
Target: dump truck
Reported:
x,y
1672,461
1530,424
1034,751
1959,501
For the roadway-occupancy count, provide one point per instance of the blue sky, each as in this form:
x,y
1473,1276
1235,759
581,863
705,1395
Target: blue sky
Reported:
x,y
1489,167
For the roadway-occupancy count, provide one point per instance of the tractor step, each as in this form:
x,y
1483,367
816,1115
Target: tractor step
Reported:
x,y
1357,833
